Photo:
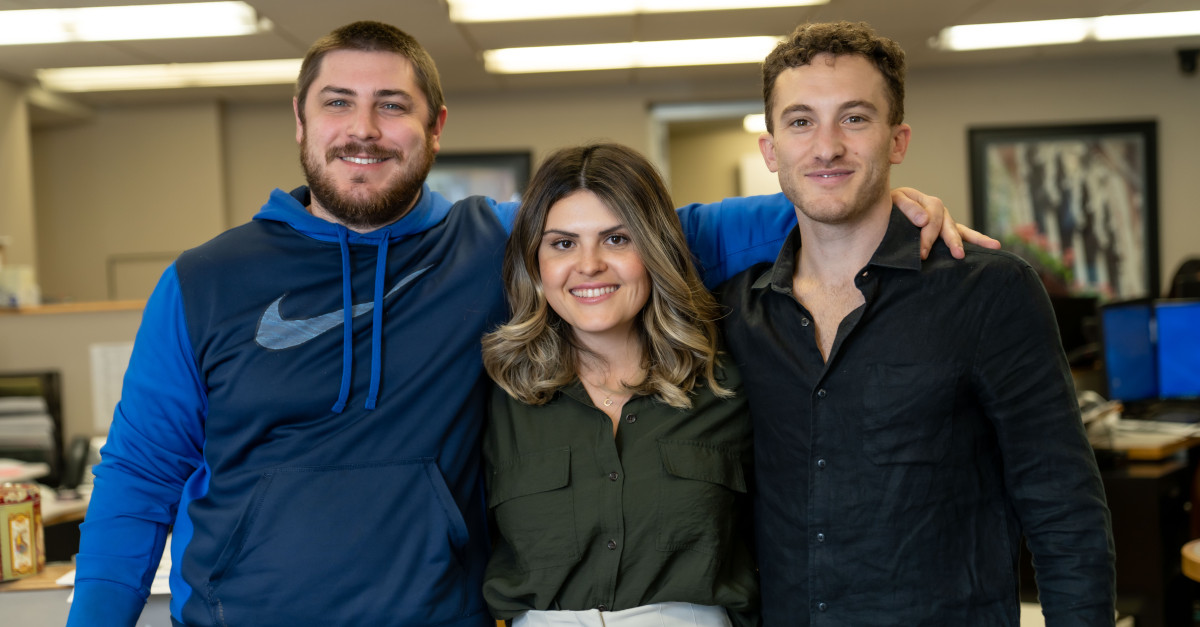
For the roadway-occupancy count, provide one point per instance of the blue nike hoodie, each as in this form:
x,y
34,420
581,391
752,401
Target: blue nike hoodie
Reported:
x,y
303,408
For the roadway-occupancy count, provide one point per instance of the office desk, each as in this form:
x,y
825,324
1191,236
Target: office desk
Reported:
x,y
1149,491
37,601
1146,440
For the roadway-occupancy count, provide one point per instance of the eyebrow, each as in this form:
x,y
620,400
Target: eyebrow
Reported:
x,y
379,93
608,231
850,104
859,104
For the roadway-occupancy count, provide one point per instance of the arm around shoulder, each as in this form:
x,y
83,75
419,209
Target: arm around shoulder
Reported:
x,y
729,236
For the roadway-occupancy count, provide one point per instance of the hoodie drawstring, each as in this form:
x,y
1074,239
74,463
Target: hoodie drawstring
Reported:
x,y
377,321
347,324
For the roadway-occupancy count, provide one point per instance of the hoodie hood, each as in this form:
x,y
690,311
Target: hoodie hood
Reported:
x,y
291,209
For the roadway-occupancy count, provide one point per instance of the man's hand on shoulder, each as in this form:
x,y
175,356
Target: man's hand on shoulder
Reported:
x,y
935,221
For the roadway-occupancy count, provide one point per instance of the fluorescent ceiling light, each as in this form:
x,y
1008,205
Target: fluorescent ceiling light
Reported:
x,y
1050,32
173,75
152,21
511,10
1147,25
755,123
634,54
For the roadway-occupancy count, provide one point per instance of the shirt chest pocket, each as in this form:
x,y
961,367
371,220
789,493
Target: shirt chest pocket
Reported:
x,y
699,498
534,510
907,413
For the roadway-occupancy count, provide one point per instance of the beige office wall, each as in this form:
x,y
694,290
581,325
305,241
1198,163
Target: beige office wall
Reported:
x,y
259,154
130,188
544,121
705,159
17,222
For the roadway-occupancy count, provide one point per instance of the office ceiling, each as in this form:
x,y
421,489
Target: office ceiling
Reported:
x,y
457,48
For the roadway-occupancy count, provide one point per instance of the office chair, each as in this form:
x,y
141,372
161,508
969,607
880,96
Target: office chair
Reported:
x,y
1186,283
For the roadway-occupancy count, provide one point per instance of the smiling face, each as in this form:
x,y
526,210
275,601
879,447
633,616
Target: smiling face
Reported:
x,y
365,144
832,144
592,274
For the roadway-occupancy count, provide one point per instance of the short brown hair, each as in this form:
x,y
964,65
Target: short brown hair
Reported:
x,y
369,36
837,38
535,353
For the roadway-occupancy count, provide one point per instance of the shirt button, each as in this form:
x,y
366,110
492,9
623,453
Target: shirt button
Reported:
x,y
820,463
821,393
805,322
820,537
612,545
822,606
864,273
631,418
613,476
602,607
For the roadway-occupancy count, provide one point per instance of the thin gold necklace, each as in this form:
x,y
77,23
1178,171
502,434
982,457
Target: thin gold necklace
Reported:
x,y
608,394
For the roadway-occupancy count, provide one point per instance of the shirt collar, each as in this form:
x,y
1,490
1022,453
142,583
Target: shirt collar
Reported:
x,y
576,391
900,249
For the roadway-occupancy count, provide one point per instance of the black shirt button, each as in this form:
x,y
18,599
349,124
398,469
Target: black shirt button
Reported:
x,y
612,545
822,606
821,393
613,476
805,322
820,463
602,607
631,418
820,537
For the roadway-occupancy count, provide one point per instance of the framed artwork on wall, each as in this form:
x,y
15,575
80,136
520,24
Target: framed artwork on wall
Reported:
x,y
1078,202
498,175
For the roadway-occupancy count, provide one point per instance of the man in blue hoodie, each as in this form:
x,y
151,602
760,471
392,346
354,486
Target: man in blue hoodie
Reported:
x,y
305,397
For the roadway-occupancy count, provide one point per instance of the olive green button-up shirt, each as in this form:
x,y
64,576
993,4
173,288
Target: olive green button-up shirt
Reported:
x,y
585,520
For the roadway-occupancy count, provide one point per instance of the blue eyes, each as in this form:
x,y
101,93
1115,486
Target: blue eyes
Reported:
x,y
389,106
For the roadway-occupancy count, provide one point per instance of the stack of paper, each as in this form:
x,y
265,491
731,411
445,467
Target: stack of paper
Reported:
x,y
16,471
26,428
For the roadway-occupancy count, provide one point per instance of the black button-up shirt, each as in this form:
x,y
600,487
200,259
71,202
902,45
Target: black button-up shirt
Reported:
x,y
894,481
659,513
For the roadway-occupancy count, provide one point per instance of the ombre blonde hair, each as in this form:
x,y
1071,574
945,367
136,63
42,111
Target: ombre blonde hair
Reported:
x,y
536,353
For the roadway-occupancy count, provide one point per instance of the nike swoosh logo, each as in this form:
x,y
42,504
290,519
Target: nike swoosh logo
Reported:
x,y
277,333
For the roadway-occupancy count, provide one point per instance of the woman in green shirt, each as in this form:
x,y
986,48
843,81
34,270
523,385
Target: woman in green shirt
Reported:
x,y
618,448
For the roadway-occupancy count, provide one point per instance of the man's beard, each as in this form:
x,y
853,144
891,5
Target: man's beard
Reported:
x,y
382,208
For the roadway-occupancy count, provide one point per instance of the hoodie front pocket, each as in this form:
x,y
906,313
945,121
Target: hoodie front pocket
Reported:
x,y
348,544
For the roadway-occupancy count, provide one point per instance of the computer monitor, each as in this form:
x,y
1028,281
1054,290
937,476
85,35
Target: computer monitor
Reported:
x,y
1130,358
1178,329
